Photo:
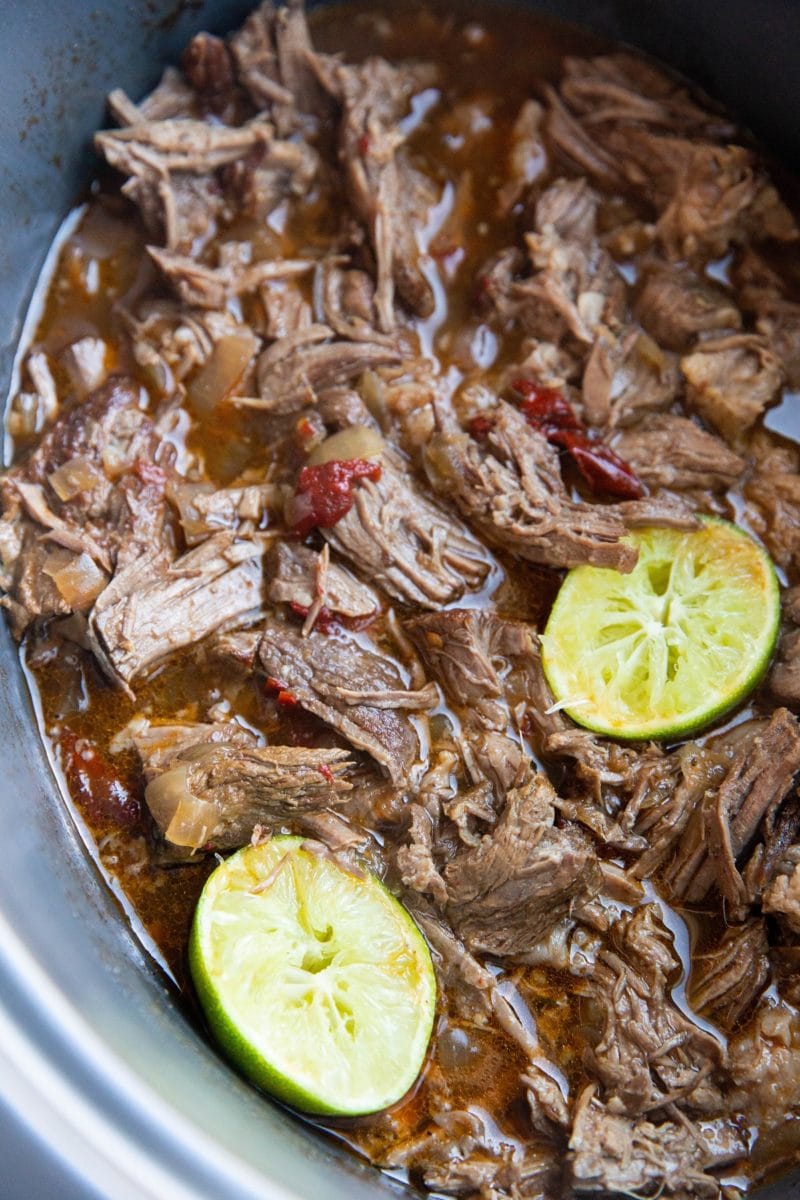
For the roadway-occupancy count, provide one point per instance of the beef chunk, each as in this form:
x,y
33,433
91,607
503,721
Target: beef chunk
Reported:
x,y
676,306
624,87
729,977
773,495
507,893
205,510
307,580
174,170
86,500
667,451
202,286
212,794
274,63
782,897
509,488
649,1052
348,298
154,607
762,294
707,197
784,676
358,692
575,287
208,66
397,538
765,1065
468,652
159,742
731,380
610,1153
626,377
386,192
724,825
295,369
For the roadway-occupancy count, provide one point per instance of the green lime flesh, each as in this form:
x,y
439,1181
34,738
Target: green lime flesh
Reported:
x,y
667,649
316,982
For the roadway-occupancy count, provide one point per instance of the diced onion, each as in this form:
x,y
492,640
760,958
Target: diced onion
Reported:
x,y
650,352
79,581
358,441
222,372
182,818
73,477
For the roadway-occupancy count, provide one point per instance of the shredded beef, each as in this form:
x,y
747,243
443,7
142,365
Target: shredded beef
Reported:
x,y
507,893
154,607
668,451
730,382
509,488
358,692
721,829
211,795
612,1153
399,539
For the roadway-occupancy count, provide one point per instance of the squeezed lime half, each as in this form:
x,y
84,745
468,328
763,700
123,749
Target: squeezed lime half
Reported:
x,y
316,982
665,650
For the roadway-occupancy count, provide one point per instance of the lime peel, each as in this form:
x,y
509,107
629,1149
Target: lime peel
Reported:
x,y
315,981
667,649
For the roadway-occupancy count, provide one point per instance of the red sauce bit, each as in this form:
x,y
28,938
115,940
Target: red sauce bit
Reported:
x,y
284,696
94,784
325,493
549,412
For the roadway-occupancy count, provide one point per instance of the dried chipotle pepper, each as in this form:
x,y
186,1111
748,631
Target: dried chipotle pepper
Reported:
x,y
549,412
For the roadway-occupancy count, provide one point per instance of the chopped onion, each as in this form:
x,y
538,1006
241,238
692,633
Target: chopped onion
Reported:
x,y
182,818
356,442
222,372
79,581
73,477
650,352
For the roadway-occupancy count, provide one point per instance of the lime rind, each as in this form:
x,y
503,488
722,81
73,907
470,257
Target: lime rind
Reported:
x,y
316,982
672,646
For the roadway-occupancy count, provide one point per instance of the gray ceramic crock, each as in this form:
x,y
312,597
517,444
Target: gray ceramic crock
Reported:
x,y
105,1088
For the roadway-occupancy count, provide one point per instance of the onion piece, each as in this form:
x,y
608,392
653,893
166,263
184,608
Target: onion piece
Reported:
x,y
222,372
73,477
182,818
358,441
79,581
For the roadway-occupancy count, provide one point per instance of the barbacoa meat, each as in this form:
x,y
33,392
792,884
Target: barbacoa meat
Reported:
x,y
505,895
212,795
361,694
399,539
509,488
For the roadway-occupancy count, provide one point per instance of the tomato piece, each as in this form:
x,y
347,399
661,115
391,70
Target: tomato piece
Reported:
x,y
325,493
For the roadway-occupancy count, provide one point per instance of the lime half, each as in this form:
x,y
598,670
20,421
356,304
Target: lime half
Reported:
x,y
316,982
663,651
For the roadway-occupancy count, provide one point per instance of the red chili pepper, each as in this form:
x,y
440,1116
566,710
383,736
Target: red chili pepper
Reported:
x,y
93,783
479,426
602,469
326,773
325,493
325,622
364,144
545,408
549,412
284,696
